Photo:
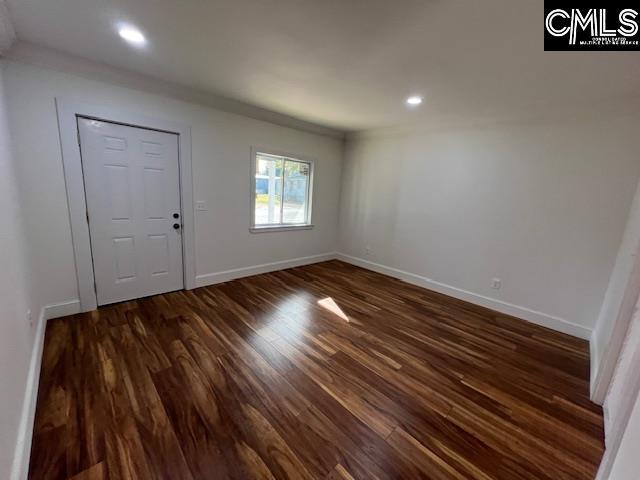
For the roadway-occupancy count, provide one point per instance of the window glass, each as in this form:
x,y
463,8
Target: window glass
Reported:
x,y
296,184
268,195
282,186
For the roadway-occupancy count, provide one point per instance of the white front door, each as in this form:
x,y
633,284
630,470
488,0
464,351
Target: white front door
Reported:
x,y
132,185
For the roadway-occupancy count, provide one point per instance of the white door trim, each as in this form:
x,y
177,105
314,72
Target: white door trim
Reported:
x,y
68,111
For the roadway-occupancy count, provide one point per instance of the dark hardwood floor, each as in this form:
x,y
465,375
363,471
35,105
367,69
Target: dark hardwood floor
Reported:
x,y
321,372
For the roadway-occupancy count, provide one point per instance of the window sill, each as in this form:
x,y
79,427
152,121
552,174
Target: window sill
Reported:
x,y
280,228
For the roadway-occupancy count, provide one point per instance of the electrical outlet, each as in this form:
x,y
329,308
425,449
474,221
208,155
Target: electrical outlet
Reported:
x,y
201,206
367,250
30,318
496,284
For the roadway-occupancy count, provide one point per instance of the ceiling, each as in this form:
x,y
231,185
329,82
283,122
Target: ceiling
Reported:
x,y
345,64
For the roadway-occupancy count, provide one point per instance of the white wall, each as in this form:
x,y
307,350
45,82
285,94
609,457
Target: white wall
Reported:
x,y
622,408
617,307
542,206
626,368
615,346
221,145
16,334
627,462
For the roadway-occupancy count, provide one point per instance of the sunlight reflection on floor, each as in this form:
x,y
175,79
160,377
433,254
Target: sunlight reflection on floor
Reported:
x,y
329,304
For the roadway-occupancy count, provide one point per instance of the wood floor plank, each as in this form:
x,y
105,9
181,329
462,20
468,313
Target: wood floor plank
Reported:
x,y
95,472
327,371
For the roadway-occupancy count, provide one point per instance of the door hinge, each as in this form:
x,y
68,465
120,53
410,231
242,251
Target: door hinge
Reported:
x,y
87,215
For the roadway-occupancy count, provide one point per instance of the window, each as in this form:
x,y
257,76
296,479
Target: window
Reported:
x,y
281,187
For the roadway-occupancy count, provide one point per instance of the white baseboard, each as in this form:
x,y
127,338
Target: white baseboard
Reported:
x,y
594,359
227,275
62,309
20,467
533,316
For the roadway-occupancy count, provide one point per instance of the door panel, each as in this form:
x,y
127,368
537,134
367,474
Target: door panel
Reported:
x,y
154,180
124,253
118,191
159,254
132,187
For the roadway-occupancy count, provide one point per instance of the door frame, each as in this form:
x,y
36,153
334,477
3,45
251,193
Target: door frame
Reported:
x,y
68,111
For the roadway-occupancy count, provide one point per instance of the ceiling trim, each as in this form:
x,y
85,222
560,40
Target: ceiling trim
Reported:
x,y
7,33
39,56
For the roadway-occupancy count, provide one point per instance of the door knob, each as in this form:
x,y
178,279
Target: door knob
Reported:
x,y
176,226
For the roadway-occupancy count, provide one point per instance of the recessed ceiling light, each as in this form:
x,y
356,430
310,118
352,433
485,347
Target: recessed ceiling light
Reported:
x,y
132,35
414,100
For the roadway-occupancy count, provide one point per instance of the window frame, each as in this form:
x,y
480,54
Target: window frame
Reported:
x,y
279,227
